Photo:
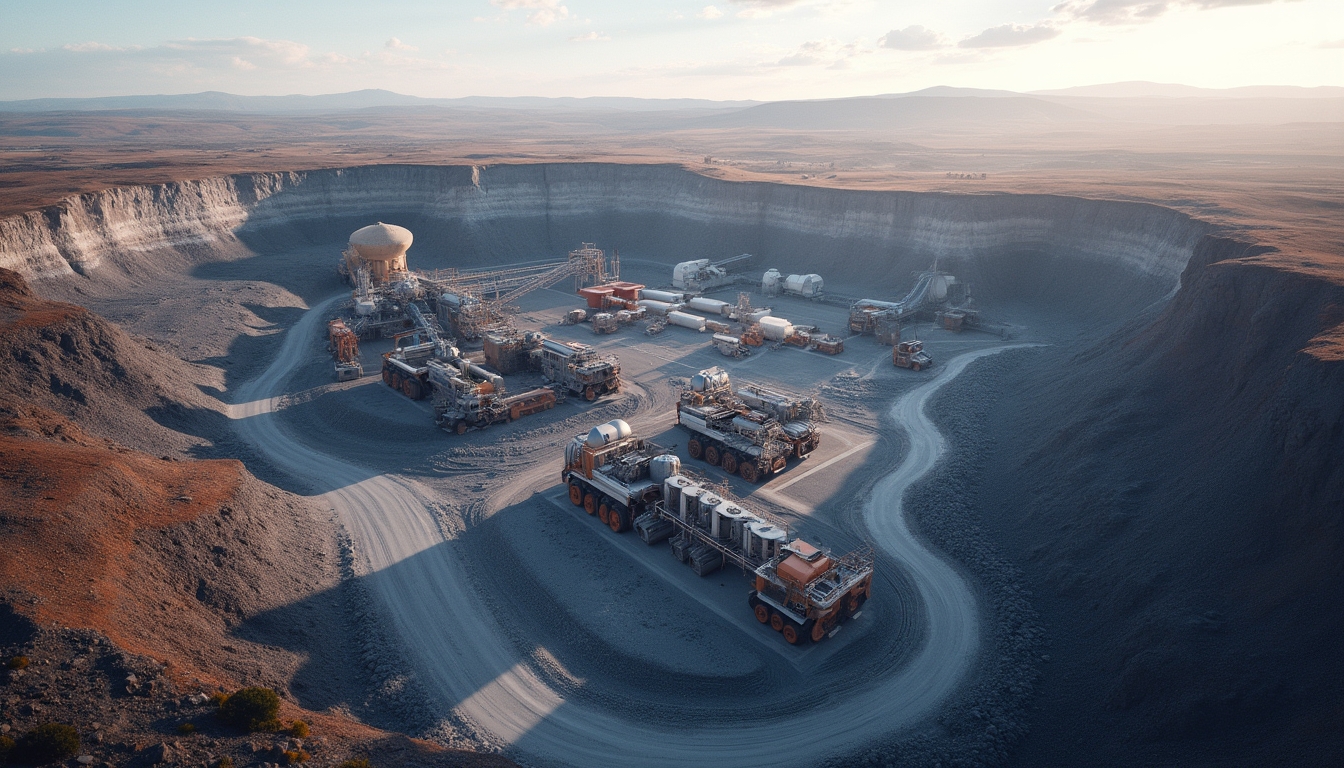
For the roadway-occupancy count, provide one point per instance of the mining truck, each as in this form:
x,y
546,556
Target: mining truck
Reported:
x,y
798,590
910,354
614,475
579,369
742,442
785,417
467,396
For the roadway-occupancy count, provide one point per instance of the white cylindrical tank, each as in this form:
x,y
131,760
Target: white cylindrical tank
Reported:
x,y
694,322
672,488
711,379
769,539
663,467
707,504
770,282
756,316
690,500
725,515
712,306
776,328
656,307
623,429
804,285
602,434
747,521
939,285
667,296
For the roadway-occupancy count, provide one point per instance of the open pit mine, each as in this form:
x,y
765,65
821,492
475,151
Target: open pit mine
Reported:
x,y
619,465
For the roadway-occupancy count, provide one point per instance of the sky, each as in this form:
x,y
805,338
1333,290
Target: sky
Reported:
x,y
727,49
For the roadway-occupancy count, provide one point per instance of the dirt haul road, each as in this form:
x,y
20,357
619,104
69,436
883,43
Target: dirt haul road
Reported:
x,y
463,657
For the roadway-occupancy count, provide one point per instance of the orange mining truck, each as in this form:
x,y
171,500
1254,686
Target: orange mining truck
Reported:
x,y
615,475
801,591
910,354
344,347
804,593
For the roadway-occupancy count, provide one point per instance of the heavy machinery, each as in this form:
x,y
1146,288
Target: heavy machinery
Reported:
x,y
910,354
344,347
801,591
615,475
730,346
703,274
473,302
797,416
932,289
804,593
728,433
579,369
827,344
604,322
467,396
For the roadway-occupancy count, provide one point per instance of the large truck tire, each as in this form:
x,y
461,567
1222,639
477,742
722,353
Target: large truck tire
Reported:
x,y
603,511
589,394
748,471
590,503
618,520
792,634
712,455
576,494
695,449
818,632
729,462
762,613
460,427
776,621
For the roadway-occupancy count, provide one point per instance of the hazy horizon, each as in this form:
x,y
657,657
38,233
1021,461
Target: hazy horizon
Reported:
x,y
756,50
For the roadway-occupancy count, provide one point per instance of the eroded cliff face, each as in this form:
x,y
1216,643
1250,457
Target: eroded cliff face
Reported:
x,y
465,215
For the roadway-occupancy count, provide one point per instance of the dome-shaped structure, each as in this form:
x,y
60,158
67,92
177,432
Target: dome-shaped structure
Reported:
x,y
383,247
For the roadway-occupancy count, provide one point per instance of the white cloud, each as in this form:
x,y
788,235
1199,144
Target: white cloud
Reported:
x,y
90,46
759,9
1010,35
240,63
540,12
709,12
1141,11
914,38
1331,44
826,52
396,45
590,37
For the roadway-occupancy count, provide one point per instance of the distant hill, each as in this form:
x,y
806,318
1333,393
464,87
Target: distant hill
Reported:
x,y
366,99
1143,89
885,113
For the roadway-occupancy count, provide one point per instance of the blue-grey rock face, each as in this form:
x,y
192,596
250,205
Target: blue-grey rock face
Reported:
x,y
479,215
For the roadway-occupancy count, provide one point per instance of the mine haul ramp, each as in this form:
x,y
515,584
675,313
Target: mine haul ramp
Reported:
x,y
799,590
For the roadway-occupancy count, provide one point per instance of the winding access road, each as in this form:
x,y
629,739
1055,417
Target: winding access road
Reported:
x,y
464,660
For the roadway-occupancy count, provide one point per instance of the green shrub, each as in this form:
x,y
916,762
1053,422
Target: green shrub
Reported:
x,y
224,762
252,709
355,763
46,743
186,729
299,729
296,756
18,662
219,698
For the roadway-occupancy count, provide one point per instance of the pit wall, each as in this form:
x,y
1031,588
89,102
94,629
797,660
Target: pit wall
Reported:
x,y
463,215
